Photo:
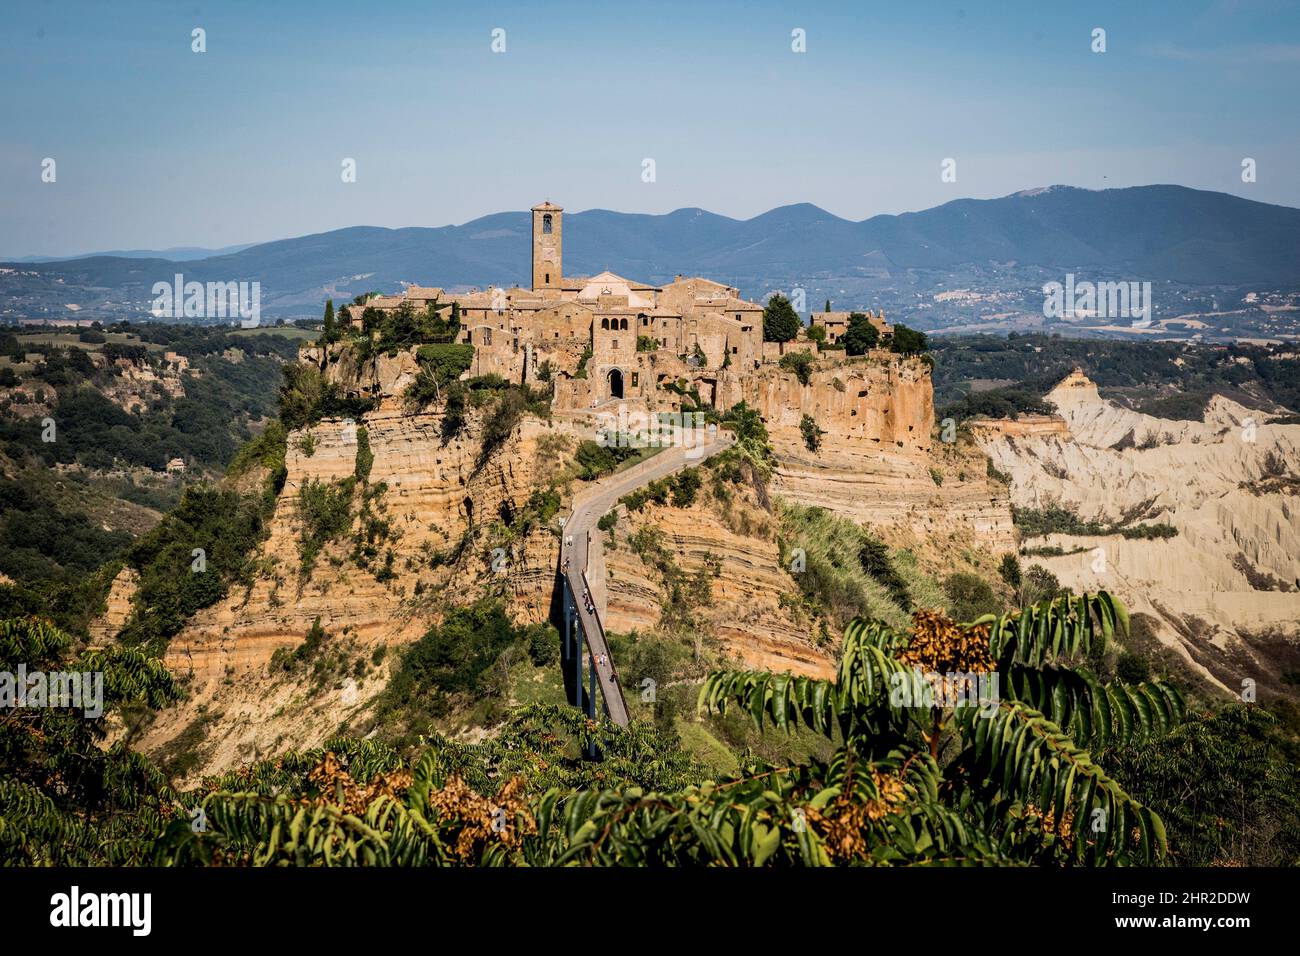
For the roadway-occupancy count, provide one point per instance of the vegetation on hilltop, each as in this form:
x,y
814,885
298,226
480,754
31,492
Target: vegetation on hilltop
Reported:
x,y
1166,378
1055,518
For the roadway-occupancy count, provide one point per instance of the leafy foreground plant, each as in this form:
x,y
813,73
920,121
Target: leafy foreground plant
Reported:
x,y
1008,779
63,800
907,785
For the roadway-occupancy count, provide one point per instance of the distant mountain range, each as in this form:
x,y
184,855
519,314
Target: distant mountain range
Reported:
x,y
174,253
1157,233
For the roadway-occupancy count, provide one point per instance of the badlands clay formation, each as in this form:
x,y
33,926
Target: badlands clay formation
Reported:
x,y
1226,589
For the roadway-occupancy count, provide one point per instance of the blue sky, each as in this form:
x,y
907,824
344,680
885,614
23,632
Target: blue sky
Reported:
x,y
159,146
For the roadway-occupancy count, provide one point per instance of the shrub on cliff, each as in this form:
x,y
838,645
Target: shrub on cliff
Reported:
x,y
812,435
970,597
452,658
512,403
190,558
751,435
595,460
324,514
801,363
846,572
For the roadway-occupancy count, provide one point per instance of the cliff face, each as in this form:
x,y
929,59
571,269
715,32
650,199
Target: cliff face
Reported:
x,y
877,461
742,604
447,507
1231,576
135,383
887,403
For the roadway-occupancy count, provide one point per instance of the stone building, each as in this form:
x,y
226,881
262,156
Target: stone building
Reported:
x,y
599,338
837,323
608,340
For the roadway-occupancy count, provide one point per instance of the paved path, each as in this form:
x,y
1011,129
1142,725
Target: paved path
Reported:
x,y
578,542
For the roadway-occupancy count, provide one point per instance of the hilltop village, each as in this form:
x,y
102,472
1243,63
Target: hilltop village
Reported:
x,y
605,339
409,487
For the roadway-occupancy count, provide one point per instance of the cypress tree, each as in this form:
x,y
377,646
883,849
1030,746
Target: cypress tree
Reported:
x,y
330,326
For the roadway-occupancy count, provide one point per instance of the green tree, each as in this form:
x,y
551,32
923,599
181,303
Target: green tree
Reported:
x,y
780,321
1010,779
801,363
907,341
1227,785
812,435
861,335
329,326
67,798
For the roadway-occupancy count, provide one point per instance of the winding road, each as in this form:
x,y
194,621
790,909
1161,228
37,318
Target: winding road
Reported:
x,y
578,543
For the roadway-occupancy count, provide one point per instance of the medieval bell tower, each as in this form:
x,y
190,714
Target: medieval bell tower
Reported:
x,y
548,221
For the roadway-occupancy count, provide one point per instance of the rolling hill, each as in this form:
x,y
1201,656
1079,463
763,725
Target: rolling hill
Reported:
x,y
1156,233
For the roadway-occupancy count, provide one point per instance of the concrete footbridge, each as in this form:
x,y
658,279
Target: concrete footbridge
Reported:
x,y
584,644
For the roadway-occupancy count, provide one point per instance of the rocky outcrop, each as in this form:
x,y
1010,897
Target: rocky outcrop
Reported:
x,y
891,475
117,608
382,376
1227,484
1026,426
884,402
742,609
448,508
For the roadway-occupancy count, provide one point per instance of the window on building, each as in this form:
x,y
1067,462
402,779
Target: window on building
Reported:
x,y
622,324
548,278
487,336
546,224
604,323
616,343
636,377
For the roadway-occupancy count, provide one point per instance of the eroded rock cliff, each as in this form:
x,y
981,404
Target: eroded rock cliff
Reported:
x,y
1226,588
432,525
